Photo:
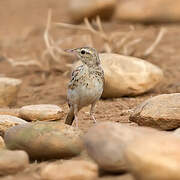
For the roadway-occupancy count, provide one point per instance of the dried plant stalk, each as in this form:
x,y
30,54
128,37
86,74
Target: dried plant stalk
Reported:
x,y
159,37
15,63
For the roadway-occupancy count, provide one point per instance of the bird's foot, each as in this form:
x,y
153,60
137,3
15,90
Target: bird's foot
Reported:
x,y
94,119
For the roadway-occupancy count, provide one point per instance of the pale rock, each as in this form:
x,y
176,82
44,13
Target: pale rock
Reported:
x,y
70,170
2,144
12,161
8,121
148,11
41,112
154,156
106,142
9,89
45,140
125,75
79,9
176,132
162,112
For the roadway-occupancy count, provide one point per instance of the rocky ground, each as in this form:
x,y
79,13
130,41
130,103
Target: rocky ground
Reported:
x,y
24,55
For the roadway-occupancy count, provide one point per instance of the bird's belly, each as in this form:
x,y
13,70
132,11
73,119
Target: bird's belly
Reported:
x,y
89,96
86,93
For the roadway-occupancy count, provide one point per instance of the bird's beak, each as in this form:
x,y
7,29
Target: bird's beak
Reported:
x,y
70,50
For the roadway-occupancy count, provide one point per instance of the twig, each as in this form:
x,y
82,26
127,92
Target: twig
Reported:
x,y
107,38
131,43
107,48
155,43
116,35
99,24
88,27
124,40
24,63
48,40
71,26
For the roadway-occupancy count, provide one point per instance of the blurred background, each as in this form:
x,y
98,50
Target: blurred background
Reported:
x,y
33,35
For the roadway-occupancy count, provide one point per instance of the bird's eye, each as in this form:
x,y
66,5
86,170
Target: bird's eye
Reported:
x,y
83,52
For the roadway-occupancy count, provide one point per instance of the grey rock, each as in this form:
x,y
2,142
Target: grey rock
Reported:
x,y
45,140
106,142
162,112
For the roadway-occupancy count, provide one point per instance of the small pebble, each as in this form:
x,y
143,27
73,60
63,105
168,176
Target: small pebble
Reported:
x,y
41,112
12,161
9,89
70,170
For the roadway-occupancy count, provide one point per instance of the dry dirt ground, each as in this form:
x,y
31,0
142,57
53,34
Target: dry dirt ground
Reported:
x,y
21,36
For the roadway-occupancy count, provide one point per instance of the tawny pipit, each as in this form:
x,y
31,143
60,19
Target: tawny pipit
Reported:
x,y
86,85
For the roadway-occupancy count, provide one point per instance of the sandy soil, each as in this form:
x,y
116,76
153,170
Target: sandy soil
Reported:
x,y
21,36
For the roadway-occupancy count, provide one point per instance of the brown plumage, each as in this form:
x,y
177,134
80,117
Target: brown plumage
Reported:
x,y
86,84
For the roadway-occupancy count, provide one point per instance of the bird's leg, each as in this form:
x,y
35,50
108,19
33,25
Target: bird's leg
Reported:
x,y
92,112
76,115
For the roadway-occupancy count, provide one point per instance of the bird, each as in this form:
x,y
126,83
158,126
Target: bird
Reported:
x,y
86,84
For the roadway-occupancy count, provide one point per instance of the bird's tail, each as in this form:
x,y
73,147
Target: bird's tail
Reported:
x,y
70,117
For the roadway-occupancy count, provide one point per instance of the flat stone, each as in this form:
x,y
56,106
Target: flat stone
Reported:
x,y
12,161
162,112
106,142
9,88
79,9
7,121
126,76
70,170
45,140
148,11
154,156
41,112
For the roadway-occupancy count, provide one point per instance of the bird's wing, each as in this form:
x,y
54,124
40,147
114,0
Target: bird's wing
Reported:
x,y
76,71
74,76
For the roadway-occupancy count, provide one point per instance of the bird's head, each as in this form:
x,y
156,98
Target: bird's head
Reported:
x,y
87,55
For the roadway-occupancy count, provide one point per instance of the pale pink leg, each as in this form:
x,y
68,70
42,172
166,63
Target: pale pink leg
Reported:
x,y
92,112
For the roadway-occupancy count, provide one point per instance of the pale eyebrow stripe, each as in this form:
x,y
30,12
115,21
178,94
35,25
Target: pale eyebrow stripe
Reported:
x,y
88,52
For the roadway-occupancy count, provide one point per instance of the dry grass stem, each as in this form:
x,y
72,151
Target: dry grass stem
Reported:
x,y
48,40
52,47
130,44
107,48
155,43
124,40
71,26
15,63
99,24
110,40
88,27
